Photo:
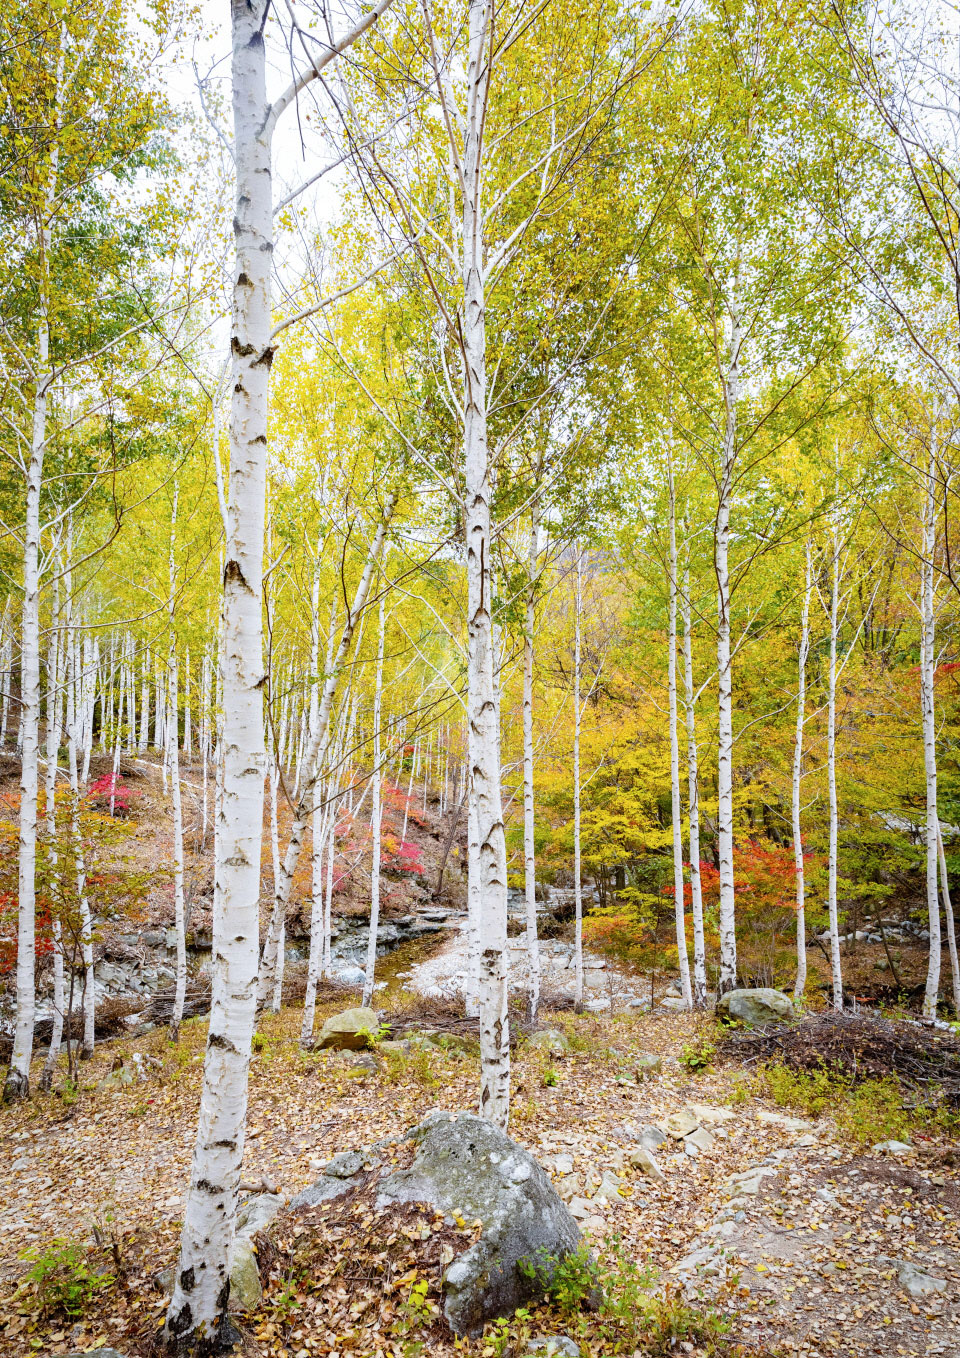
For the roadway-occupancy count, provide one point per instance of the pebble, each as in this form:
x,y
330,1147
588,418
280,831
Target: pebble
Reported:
x,y
681,1124
560,1345
916,1282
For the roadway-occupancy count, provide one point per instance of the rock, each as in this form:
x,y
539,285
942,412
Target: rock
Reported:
x,y
895,1147
781,1120
548,1345
647,1065
110,1353
350,1031
700,1138
581,1208
551,1040
117,1079
465,1164
651,1136
917,1283
763,1005
679,1125
609,1190
673,1002
245,1290
747,1183
596,1006
340,1175
570,1187
641,1158
708,1116
351,976
563,1164
461,1043
257,1213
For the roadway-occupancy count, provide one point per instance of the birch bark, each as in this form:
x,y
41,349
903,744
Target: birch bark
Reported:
x,y
201,1293
693,794
178,903
951,926
577,885
801,980
202,1283
375,818
835,963
529,841
678,885
17,1083
928,663
54,709
728,931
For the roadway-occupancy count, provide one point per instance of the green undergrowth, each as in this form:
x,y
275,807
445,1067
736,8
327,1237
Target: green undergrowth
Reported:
x,y
865,1112
612,1305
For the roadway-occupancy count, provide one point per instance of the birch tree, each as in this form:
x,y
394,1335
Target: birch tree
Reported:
x,y
797,776
677,827
201,1293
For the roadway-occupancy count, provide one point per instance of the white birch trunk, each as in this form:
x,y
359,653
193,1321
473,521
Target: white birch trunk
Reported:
x,y
180,923
577,885
144,740
315,959
728,929
375,816
675,811
801,980
951,927
928,664
274,777
529,839
54,709
202,1282
74,708
17,1085
482,706
832,906
693,794
187,725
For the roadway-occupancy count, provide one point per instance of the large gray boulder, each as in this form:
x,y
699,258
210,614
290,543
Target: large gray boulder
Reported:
x,y
465,1166
753,1007
352,1030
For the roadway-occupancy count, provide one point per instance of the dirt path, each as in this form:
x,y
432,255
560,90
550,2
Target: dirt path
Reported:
x,y
811,1247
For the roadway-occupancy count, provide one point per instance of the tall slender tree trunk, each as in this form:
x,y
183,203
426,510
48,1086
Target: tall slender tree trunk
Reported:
x,y
928,664
678,885
951,926
54,709
74,717
17,1084
801,980
832,906
728,929
693,794
202,1282
489,862
315,958
375,817
577,883
529,841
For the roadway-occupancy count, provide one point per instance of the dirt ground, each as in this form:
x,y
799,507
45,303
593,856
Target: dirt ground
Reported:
x,y
808,1262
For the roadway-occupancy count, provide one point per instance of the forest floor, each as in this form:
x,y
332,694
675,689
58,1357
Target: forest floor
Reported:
x,y
822,1247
